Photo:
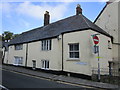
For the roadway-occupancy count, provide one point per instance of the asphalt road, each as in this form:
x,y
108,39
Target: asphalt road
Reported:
x,y
18,80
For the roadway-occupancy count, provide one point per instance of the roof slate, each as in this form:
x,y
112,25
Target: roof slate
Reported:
x,y
70,24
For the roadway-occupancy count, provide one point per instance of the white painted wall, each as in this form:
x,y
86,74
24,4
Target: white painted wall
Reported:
x,y
86,52
108,20
20,53
54,56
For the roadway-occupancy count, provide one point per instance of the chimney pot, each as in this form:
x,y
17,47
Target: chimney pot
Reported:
x,y
78,9
46,18
108,2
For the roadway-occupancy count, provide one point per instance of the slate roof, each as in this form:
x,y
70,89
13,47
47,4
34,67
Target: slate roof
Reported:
x,y
70,24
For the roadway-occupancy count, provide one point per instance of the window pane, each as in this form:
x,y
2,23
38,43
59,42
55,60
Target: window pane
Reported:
x,y
71,47
47,62
76,47
18,47
71,54
50,45
76,55
42,45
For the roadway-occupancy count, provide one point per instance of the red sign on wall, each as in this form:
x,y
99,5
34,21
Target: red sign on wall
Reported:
x,y
95,39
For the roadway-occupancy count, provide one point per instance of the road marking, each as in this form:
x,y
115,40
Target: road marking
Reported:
x,y
28,75
63,82
1,86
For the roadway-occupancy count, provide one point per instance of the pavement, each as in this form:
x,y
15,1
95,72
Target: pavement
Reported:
x,y
62,78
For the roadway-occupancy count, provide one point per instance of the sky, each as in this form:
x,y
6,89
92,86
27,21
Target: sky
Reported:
x,y
20,16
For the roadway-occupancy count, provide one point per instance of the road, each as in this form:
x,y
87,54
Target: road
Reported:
x,y
12,79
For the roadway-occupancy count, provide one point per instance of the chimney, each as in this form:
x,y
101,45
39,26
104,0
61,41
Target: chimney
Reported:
x,y
78,10
108,2
46,18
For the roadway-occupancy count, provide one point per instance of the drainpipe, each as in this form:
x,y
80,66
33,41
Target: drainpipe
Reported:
x,y
26,55
62,54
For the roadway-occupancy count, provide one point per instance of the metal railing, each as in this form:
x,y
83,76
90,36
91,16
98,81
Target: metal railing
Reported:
x,y
107,76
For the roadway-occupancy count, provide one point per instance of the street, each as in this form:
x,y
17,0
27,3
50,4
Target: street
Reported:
x,y
17,80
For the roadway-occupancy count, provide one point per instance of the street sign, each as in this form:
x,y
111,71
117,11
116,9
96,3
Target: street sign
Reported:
x,y
95,39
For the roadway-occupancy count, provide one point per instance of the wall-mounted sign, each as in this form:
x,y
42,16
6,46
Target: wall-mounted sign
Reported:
x,y
82,63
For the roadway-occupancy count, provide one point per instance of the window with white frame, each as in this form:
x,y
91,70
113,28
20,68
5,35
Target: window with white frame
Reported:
x,y
74,50
46,45
45,64
18,60
19,47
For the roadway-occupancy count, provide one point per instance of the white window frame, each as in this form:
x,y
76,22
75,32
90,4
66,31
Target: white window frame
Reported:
x,y
19,47
45,64
74,51
18,60
46,45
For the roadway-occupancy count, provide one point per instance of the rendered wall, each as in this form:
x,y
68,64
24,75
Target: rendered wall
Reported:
x,y
88,59
54,56
20,53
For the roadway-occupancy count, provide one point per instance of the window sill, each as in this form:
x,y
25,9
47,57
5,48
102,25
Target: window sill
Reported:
x,y
45,50
73,59
45,68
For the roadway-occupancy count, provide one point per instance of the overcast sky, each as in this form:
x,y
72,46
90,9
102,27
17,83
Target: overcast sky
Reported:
x,y
22,16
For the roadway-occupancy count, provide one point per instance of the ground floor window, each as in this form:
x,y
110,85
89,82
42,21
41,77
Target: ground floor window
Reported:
x,y
18,60
45,64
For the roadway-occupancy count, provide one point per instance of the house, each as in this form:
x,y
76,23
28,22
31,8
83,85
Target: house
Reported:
x,y
109,20
5,51
66,45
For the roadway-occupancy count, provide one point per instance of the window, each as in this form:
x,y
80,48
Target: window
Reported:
x,y
18,60
46,45
74,50
109,45
19,47
45,64
96,49
34,64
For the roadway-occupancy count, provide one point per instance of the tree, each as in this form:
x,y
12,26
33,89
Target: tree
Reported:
x,y
7,35
15,35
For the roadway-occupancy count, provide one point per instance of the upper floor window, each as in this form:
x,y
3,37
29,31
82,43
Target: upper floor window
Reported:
x,y
46,44
19,47
74,50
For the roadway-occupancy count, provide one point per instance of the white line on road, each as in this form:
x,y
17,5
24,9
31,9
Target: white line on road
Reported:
x,y
3,87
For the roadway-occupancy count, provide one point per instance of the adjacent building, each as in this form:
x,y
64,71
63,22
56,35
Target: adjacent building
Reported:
x,y
109,20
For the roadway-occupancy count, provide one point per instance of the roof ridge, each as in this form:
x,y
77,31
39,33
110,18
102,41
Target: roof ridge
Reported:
x,y
85,21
